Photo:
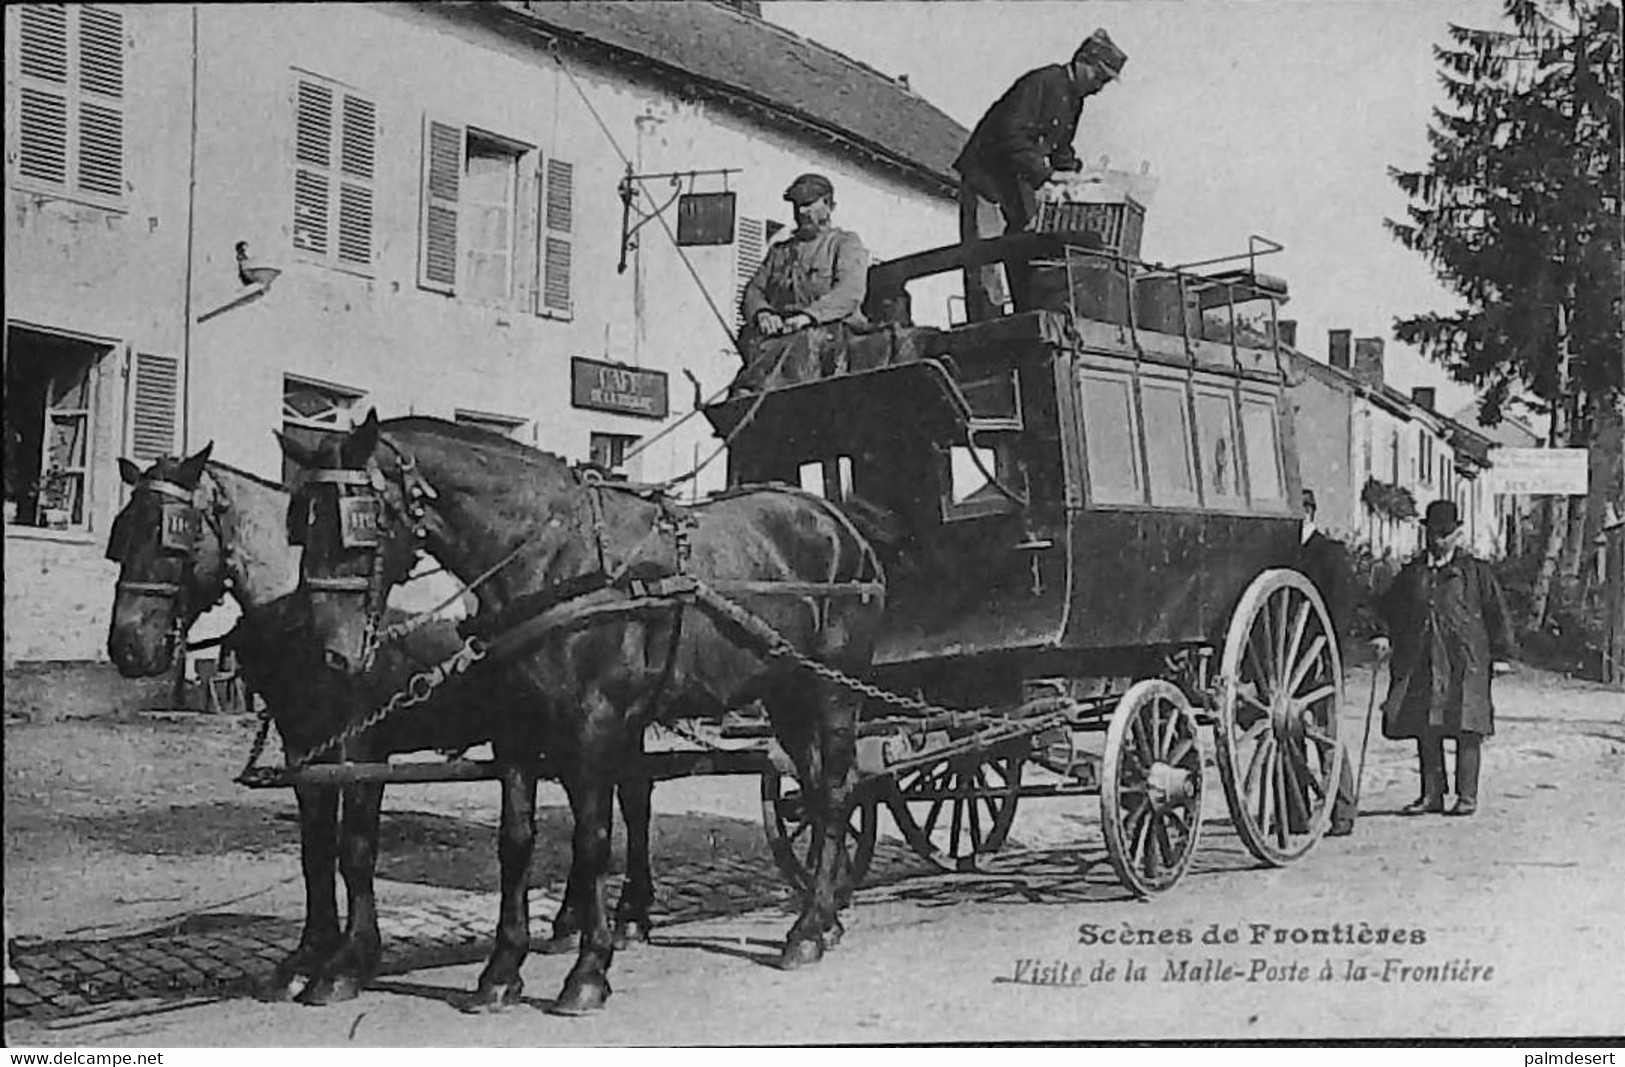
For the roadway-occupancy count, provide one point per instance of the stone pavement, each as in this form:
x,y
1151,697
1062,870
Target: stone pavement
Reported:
x,y
226,954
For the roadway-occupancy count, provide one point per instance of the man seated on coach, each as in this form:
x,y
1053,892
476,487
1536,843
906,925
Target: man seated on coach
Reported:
x,y
818,275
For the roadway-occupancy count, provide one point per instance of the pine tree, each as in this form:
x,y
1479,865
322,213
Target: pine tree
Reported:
x,y
1519,212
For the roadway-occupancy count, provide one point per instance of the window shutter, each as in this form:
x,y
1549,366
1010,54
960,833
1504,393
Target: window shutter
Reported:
x,y
527,225
153,405
312,153
556,247
358,149
750,246
443,147
42,114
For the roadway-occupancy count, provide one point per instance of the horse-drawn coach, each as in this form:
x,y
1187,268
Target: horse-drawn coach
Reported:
x,y
959,568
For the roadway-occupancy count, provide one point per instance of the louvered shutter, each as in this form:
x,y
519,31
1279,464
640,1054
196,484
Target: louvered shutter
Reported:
x,y
313,159
443,146
335,149
559,222
527,224
101,101
750,245
70,91
154,402
358,149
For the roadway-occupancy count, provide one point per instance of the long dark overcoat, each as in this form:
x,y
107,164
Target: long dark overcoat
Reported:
x,y
1448,626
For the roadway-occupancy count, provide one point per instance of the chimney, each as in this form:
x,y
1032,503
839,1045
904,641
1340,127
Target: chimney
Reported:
x,y
1337,348
1368,361
1286,332
1422,396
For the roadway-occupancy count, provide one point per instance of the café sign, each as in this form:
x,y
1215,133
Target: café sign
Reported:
x,y
613,387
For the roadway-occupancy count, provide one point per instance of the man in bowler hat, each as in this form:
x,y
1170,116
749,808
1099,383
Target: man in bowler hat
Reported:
x,y
1024,138
1445,622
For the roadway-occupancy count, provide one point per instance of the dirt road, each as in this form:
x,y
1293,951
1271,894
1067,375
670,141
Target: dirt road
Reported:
x,y
1505,924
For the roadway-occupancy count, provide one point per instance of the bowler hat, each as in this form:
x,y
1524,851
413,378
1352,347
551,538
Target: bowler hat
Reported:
x,y
807,188
1099,48
1442,517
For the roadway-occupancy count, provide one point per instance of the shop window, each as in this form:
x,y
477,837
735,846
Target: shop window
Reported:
x,y
1111,436
1168,465
50,411
314,412
608,450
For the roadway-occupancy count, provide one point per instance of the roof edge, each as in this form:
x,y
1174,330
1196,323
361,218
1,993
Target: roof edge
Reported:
x,y
516,14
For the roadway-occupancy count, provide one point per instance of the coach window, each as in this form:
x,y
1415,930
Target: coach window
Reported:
x,y
1169,467
1111,437
1258,432
1220,465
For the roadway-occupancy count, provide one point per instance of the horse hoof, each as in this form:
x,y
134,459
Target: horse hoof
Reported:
x,y
558,944
631,932
322,991
497,996
581,996
800,953
832,936
284,987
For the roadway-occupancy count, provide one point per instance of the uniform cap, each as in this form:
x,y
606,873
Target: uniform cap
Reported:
x,y
807,188
1099,48
1309,500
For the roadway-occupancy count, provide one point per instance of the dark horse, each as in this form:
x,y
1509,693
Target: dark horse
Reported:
x,y
595,646
196,530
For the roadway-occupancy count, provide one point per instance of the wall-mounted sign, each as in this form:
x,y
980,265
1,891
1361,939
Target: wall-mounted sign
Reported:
x,y
705,219
1539,471
612,387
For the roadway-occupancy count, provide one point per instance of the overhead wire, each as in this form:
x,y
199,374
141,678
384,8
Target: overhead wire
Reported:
x,y
659,216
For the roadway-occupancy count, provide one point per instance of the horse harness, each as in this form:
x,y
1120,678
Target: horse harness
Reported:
x,y
526,620
182,518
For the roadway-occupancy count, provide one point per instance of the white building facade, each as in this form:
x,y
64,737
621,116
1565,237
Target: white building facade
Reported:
x,y
228,220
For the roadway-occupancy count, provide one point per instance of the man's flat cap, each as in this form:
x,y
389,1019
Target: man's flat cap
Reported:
x,y
807,188
1099,48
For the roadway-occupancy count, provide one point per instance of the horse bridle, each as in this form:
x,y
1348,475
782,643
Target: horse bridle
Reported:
x,y
360,516
180,528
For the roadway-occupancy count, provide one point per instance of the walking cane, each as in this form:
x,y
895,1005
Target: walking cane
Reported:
x,y
1365,743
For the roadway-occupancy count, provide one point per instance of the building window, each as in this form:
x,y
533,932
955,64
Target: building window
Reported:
x,y
1111,436
502,425
335,157
1168,442
69,116
608,450
50,410
314,412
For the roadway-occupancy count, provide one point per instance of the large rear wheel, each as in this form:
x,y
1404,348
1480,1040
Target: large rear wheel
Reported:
x,y
1280,688
1151,787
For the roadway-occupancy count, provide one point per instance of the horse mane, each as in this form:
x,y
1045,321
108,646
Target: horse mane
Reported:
x,y
259,480
470,435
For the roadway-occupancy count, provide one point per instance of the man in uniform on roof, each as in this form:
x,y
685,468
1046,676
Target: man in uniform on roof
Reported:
x,y
818,275
1022,140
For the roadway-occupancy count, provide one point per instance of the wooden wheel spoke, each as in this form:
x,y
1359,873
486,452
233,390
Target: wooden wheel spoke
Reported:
x,y
1313,697
1279,604
1299,625
1159,837
1307,774
1283,810
1169,732
1309,661
1179,753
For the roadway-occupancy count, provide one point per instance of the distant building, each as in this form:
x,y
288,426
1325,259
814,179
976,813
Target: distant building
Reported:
x,y
227,220
1376,457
